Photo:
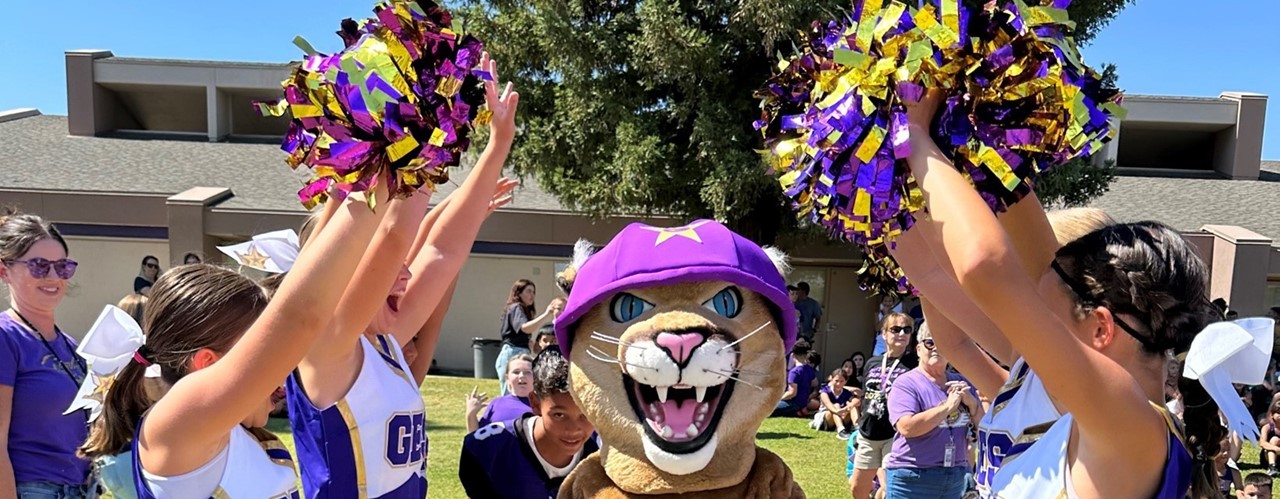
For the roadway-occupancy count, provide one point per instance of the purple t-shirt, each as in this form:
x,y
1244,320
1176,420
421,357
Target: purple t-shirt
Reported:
x,y
504,408
913,393
42,442
838,400
802,375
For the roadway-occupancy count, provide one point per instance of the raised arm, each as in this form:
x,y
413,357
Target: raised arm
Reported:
x,y
968,358
331,365
189,426
429,336
961,331
449,241
1107,403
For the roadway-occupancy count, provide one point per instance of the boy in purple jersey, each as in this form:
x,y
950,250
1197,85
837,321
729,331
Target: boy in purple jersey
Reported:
x,y
530,456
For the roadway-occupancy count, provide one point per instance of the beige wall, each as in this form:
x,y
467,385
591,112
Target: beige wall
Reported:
x,y
105,275
476,310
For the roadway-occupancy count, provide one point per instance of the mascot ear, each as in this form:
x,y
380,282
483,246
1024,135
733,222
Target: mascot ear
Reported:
x,y
780,260
582,250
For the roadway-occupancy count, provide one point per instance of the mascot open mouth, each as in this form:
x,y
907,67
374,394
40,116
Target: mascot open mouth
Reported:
x,y
678,418
678,383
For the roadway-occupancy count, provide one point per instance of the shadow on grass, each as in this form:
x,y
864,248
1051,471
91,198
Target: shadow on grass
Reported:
x,y
775,435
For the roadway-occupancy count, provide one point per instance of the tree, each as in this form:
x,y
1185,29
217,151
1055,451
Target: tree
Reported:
x,y
634,107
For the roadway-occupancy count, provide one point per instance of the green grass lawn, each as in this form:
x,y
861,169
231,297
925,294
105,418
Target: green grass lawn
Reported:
x,y
816,459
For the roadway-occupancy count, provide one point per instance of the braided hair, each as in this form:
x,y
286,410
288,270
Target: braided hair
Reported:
x,y
1147,272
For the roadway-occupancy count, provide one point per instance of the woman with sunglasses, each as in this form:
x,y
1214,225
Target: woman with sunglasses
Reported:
x,y
147,275
931,408
39,369
875,432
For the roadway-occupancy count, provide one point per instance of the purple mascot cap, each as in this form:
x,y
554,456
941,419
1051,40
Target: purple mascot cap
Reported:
x,y
642,256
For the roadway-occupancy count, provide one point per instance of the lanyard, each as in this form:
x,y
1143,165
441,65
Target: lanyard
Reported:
x,y
884,378
62,365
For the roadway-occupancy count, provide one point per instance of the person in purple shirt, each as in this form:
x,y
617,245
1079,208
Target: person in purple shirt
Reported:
x,y
40,371
837,411
507,407
931,407
795,401
530,456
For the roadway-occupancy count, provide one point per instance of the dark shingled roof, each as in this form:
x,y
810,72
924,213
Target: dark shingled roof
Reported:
x,y
39,154
1188,204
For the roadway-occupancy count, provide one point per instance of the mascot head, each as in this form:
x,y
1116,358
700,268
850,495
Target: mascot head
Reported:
x,y
677,339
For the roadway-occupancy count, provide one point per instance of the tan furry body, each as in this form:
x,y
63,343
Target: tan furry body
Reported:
x,y
768,478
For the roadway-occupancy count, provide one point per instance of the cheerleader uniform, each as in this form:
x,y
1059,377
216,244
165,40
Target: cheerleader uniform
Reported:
x,y
1020,414
370,444
246,468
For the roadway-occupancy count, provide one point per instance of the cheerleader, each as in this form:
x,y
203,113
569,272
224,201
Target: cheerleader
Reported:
x,y
1021,408
354,405
1124,297
223,351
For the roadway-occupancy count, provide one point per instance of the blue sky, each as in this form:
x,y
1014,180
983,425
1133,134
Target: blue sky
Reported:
x,y
1170,47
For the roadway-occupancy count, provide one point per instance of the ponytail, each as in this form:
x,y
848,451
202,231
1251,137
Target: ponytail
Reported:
x,y
1204,434
124,404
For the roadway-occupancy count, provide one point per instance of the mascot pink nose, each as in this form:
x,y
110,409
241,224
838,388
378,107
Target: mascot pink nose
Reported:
x,y
680,345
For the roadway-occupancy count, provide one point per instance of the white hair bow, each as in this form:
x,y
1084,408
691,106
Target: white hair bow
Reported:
x,y
272,252
1232,352
111,344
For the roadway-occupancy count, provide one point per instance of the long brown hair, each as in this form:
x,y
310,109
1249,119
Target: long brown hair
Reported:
x,y
530,311
192,307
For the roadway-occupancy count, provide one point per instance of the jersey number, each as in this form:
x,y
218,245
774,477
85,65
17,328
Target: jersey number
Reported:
x,y
490,430
406,439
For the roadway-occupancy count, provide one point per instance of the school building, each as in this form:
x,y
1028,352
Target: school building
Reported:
x,y
164,157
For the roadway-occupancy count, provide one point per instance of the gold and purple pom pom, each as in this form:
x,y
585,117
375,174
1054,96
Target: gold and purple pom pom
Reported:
x,y
1018,102
398,102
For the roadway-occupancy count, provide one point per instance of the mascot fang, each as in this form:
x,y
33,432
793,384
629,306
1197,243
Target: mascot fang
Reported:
x,y
677,339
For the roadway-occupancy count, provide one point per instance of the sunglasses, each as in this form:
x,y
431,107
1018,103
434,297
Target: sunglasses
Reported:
x,y
39,267
929,344
151,265
900,329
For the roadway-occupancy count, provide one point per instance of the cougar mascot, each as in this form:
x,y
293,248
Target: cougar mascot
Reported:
x,y
677,340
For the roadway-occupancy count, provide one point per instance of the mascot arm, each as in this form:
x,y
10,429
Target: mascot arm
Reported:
x,y
773,475
589,481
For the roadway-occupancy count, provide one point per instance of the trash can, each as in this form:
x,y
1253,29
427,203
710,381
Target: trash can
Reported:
x,y
485,352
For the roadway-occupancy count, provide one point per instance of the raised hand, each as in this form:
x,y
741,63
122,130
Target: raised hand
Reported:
x,y
475,401
920,114
502,104
502,194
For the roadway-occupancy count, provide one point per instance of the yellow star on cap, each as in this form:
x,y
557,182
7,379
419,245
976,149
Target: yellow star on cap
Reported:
x,y
253,258
689,232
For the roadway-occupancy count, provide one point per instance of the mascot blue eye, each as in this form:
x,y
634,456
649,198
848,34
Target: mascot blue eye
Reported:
x,y
626,307
728,302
